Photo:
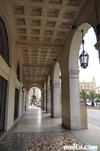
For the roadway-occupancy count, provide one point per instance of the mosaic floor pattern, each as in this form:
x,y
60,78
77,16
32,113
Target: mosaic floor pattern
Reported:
x,y
47,141
37,131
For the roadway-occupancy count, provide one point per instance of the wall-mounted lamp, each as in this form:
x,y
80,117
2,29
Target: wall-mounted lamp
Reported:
x,y
72,26
84,57
55,60
23,89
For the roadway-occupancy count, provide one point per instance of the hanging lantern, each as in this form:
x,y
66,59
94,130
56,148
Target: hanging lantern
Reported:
x,y
84,57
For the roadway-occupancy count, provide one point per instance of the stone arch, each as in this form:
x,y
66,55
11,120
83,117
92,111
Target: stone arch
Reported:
x,y
4,47
74,49
76,118
35,85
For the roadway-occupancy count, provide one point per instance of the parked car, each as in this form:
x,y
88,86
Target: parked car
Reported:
x,y
89,102
96,102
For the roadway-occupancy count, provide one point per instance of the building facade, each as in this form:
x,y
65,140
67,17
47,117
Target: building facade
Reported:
x,y
88,85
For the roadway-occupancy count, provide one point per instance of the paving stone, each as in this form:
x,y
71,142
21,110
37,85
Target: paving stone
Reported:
x,y
51,141
13,144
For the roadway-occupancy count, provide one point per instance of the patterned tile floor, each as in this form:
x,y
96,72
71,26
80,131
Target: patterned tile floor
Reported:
x,y
46,141
37,131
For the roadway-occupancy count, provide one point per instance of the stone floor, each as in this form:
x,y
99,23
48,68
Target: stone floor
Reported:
x,y
37,131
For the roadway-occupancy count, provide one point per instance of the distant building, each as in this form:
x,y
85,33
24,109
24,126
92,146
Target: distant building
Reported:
x,y
34,92
88,85
97,89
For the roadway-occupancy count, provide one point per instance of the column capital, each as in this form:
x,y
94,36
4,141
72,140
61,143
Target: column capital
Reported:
x,y
73,71
56,85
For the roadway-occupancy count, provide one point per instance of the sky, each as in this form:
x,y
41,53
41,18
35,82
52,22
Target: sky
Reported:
x,y
93,68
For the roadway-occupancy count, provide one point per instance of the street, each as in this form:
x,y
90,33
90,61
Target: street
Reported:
x,y
94,117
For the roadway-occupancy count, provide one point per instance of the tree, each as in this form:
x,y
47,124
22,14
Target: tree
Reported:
x,y
98,96
98,99
92,95
84,95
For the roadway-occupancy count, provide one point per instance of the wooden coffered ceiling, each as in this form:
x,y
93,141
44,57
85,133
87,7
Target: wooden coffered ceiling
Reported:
x,y
40,28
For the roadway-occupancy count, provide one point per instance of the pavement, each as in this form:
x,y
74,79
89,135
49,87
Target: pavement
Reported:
x,y
37,131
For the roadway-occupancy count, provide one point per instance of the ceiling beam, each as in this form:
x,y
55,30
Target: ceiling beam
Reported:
x,y
38,45
28,75
36,66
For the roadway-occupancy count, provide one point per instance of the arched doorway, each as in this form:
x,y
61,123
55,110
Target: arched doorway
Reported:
x,y
78,120
34,97
4,52
4,47
90,79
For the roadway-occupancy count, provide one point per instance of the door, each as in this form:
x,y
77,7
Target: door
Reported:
x,y
16,103
3,91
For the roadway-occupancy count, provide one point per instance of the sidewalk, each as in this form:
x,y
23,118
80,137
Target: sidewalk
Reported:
x,y
37,131
88,136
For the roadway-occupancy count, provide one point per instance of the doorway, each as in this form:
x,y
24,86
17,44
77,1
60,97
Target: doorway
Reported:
x,y
16,104
3,91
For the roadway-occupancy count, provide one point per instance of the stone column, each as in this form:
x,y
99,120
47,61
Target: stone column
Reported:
x,y
56,101
20,99
48,108
45,99
42,100
71,115
23,103
26,100
75,116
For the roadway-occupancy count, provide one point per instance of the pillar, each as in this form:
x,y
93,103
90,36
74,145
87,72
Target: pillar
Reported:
x,y
20,99
45,99
75,116
42,100
26,100
48,107
56,101
71,115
